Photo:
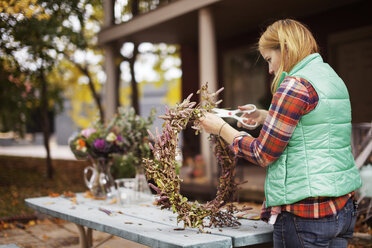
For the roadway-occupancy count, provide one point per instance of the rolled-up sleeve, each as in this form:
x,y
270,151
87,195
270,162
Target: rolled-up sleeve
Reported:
x,y
294,98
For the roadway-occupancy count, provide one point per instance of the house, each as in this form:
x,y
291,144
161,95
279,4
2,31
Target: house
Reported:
x,y
217,39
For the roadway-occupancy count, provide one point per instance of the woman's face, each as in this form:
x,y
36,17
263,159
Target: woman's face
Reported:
x,y
272,57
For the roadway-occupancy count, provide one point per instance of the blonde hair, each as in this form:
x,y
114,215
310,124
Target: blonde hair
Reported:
x,y
293,39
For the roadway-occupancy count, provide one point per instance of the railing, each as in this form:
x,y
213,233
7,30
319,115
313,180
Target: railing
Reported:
x,y
124,12
361,142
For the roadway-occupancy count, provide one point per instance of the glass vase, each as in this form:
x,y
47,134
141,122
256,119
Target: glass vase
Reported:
x,y
100,183
143,192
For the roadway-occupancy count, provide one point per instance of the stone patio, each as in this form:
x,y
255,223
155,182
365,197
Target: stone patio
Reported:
x,y
57,234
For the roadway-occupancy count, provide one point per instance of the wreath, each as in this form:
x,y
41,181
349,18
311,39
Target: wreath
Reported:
x,y
162,168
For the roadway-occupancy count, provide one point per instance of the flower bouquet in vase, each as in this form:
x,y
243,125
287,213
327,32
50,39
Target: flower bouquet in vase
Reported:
x,y
98,144
107,147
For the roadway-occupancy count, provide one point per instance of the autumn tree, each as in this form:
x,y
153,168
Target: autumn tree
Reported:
x,y
80,54
34,37
130,9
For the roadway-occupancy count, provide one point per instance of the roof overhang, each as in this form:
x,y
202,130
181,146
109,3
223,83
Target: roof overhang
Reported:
x,y
177,22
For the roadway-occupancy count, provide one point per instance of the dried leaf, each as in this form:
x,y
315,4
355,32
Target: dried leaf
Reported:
x,y
54,194
69,194
257,217
73,200
113,201
89,194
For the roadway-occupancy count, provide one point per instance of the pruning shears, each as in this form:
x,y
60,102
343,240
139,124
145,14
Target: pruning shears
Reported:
x,y
236,114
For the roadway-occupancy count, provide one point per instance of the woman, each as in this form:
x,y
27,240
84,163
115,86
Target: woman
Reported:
x,y
305,143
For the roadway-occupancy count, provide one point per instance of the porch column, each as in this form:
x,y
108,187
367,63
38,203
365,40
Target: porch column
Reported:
x,y
109,88
111,78
208,73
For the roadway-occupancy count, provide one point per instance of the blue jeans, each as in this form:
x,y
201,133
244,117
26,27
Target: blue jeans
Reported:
x,y
333,231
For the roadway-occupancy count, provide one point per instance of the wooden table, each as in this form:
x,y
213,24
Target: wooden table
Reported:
x,y
146,224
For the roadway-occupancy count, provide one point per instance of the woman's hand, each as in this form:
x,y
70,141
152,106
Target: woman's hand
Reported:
x,y
257,116
211,123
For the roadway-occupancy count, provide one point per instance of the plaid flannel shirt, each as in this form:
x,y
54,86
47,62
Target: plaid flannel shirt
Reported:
x,y
294,98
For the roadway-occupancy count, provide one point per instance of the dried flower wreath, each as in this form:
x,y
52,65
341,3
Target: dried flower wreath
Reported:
x,y
161,168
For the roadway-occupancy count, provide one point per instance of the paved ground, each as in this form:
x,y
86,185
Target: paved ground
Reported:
x,y
57,152
57,234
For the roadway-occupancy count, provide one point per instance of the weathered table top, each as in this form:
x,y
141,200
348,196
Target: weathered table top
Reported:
x,y
147,224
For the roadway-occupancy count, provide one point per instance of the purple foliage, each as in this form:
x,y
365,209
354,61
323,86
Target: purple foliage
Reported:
x,y
99,144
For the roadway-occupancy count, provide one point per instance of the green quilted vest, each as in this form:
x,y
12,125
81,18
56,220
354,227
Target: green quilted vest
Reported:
x,y
317,160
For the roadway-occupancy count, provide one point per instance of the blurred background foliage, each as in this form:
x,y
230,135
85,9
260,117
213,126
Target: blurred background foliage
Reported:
x,y
49,54
60,38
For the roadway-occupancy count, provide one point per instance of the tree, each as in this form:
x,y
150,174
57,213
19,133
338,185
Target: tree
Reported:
x,y
77,91
15,98
37,30
130,10
89,23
